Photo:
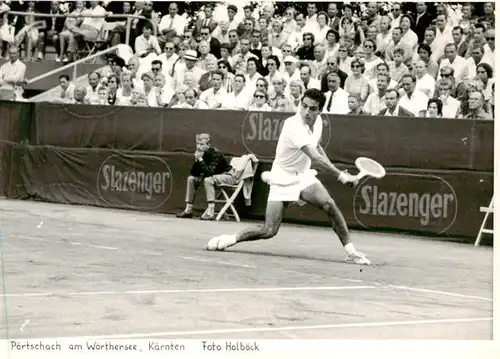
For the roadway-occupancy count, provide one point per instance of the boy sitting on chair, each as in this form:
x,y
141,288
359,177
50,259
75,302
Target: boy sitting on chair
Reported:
x,y
210,168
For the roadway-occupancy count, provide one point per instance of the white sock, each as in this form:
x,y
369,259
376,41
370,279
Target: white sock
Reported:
x,y
349,249
189,207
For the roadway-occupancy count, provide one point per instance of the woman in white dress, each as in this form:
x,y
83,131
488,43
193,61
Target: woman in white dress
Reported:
x,y
124,92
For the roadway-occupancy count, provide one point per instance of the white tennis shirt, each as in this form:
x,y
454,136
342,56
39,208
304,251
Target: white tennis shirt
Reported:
x,y
295,135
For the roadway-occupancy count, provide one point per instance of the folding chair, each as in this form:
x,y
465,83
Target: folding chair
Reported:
x,y
227,194
487,210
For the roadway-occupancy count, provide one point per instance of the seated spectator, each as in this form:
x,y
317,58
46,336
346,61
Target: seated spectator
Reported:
x,y
141,101
412,100
30,34
113,85
392,106
354,104
375,102
5,37
215,95
384,37
396,43
459,64
450,105
344,62
307,79
273,64
424,53
296,90
148,79
94,79
357,83
192,100
278,92
227,75
118,32
221,32
485,75
90,27
397,68
170,25
67,89
381,69
210,168
212,42
80,96
163,90
179,75
260,99
476,107
336,97
204,55
318,65
371,60
434,109
147,44
425,82
306,51
239,98
12,73
70,28
124,93
207,21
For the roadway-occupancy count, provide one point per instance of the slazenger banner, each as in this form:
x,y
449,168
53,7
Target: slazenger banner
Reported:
x,y
439,202
423,143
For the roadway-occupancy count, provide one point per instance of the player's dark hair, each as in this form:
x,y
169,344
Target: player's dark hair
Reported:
x,y
315,95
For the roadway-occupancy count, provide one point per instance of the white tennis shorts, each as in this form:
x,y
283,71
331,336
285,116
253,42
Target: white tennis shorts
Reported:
x,y
291,193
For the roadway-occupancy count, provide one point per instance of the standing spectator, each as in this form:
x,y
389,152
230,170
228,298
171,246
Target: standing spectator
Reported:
x,y
12,74
458,38
392,106
336,98
423,20
412,100
207,21
333,18
444,36
54,27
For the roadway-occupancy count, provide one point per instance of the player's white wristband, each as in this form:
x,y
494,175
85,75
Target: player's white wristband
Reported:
x,y
343,177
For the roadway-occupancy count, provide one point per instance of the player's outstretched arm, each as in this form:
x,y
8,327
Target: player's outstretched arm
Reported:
x,y
318,157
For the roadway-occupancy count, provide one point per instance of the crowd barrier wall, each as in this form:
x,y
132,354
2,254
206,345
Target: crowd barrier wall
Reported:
x,y
440,171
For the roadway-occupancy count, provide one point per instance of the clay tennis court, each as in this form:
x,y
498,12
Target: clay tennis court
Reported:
x,y
84,271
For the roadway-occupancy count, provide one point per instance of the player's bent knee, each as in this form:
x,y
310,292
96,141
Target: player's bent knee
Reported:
x,y
269,232
329,206
209,180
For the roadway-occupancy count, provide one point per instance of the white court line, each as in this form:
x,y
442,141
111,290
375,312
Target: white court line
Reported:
x,y
439,292
294,328
206,260
181,291
24,325
93,246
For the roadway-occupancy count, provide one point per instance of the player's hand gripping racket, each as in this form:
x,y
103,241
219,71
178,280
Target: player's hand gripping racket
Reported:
x,y
369,167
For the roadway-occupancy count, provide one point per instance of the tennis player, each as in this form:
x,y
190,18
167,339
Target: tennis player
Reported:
x,y
292,180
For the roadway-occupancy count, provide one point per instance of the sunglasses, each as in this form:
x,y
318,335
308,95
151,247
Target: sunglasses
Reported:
x,y
490,38
445,75
259,96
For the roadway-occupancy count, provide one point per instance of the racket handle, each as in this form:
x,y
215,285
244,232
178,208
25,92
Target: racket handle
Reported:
x,y
360,175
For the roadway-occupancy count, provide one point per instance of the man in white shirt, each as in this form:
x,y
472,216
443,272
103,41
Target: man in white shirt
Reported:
x,y
147,44
171,23
413,100
190,58
309,81
451,106
215,96
90,27
457,63
11,74
336,98
375,102
168,58
292,180
443,37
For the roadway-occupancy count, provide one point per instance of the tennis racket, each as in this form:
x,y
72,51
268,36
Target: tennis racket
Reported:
x,y
369,167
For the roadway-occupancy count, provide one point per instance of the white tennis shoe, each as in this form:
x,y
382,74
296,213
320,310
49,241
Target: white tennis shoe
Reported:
x,y
358,258
221,242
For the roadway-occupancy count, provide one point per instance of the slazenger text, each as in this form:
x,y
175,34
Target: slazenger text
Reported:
x,y
420,205
134,181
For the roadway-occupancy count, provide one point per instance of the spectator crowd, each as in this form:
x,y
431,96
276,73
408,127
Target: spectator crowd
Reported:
x,y
392,59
